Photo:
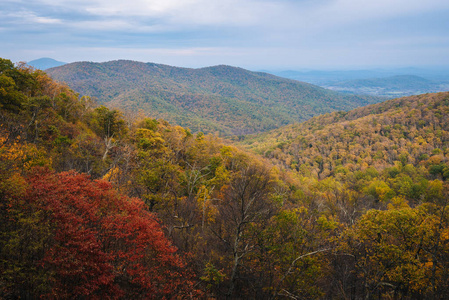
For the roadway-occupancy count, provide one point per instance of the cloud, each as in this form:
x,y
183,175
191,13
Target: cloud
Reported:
x,y
174,14
329,15
102,25
28,17
138,7
179,15
413,42
238,32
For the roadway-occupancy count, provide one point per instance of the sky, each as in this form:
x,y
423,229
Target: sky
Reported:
x,y
253,34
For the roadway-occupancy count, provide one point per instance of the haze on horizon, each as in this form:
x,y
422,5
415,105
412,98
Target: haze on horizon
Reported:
x,y
254,34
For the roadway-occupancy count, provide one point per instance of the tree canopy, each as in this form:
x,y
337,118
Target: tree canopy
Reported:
x,y
98,203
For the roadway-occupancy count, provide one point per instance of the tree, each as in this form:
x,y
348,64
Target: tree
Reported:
x,y
109,125
80,238
400,252
245,204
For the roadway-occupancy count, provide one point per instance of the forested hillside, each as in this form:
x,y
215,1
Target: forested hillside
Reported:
x,y
96,206
409,130
220,99
406,136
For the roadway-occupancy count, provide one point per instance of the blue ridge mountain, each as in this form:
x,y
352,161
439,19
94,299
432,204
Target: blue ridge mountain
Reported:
x,y
394,86
45,63
223,99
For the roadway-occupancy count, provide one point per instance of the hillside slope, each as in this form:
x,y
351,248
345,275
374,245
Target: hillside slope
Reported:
x,y
411,130
220,99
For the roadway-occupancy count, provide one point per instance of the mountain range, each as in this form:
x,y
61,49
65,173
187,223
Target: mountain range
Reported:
x,y
223,99
390,83
394,86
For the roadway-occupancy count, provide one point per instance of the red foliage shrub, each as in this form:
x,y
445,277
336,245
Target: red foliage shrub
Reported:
x,y
101,244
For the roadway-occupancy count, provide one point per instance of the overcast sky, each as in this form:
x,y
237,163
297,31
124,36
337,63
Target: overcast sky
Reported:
x,y
254,34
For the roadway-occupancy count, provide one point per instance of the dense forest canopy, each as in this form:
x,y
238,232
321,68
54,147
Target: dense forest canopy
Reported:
x,y
411,131
348,205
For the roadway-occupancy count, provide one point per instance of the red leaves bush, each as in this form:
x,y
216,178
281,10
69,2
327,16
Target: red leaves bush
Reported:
x,y
99,244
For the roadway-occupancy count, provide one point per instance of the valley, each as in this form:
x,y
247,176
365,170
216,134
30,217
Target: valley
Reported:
x,y
388,83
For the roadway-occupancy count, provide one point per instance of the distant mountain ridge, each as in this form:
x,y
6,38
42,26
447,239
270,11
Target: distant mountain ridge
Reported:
x,y
224,99
394,86
391,83
401,81
45,63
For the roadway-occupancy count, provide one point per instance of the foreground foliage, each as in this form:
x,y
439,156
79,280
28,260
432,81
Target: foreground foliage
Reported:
x,y
94,205
70,237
